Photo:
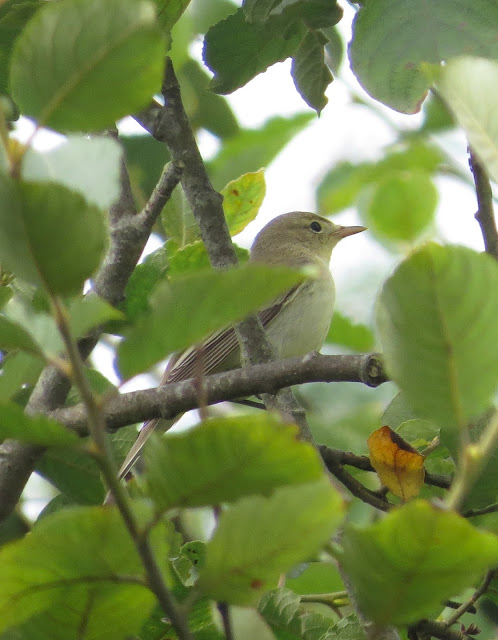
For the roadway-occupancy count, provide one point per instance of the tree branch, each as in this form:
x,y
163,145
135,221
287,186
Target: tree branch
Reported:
x,y
431,628
485,214
481,590
171,399
129,233
169,124
355,487
363,463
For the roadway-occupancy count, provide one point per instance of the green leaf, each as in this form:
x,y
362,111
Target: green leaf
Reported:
x,y
188,562
14,423
316,14
436,322
202,622
84,64
194,257
349,334
341,186
334,49
64,575
74,473
417,557
14,14
142,281
437,117
469,87
19,371
392,38
206,110
285,614
397,412
484,491
259,10
178,220
309,71
58,502
194,306
419,433
401,206
314,577
242,199
6,294
236,50
266,537
169,12
145,159
89,312
411,157
232,458
89,166
13,527
35,218
281,609
14,336
254,148
40,326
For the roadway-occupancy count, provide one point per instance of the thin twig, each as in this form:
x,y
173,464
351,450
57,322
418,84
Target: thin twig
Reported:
x,y
472,513
169,124
473,458
104,458
226,620
483,587
363,463
170,177
353,485
431,628
485,214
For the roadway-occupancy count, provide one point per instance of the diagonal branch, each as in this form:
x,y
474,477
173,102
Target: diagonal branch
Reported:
x,y
169,124
485,215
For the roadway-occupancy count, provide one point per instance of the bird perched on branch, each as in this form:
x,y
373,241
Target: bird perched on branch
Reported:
x,y
296,323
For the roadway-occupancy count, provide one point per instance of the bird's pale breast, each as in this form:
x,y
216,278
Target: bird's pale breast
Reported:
x,y
302,325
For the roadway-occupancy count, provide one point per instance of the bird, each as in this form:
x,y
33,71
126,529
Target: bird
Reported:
x,y
296,323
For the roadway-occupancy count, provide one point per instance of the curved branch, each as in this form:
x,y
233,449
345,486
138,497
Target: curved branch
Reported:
x,y
355,487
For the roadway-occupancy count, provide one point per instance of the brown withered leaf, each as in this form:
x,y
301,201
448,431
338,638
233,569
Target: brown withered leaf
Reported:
x,y
399,466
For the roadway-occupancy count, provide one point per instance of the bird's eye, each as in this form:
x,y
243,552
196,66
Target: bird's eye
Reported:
x,y
316,226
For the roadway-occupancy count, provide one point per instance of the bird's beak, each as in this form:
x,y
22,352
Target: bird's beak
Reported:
x,y
344,232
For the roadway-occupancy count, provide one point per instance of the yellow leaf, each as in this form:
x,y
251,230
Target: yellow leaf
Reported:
x,y
242,199
399,466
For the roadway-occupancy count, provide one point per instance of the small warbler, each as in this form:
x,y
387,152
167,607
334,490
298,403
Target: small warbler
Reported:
x,y
296,323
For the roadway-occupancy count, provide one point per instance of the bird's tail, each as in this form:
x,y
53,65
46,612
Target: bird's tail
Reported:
x,y
133,455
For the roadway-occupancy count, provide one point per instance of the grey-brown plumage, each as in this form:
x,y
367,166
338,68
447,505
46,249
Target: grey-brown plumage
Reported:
x,y
296,322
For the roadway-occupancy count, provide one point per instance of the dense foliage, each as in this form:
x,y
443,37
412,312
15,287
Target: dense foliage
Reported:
x,y
234,529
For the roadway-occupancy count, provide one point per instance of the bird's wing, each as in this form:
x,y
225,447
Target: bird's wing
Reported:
x,y
206,357
218,347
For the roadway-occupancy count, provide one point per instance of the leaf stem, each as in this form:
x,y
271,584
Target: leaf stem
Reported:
x,y
103,456
473,458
